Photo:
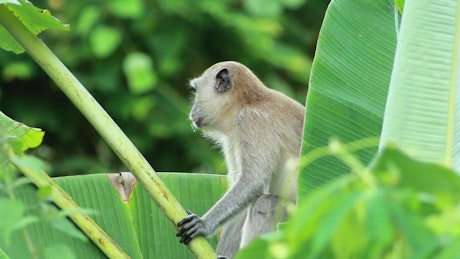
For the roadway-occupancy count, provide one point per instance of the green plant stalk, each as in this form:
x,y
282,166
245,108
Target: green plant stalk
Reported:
x,y
65,201
102,122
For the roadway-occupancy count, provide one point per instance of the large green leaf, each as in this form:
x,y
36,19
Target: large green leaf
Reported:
x,y
349,83
136,224
423,111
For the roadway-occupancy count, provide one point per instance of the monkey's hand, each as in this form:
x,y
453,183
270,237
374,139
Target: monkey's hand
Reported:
x,y
190,227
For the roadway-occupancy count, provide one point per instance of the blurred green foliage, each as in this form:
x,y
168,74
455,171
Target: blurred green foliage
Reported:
x,y
136,58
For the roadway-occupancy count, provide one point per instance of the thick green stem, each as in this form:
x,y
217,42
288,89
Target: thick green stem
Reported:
x,y
64,201
102,122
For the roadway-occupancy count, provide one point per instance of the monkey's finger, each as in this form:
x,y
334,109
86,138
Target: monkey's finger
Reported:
x,y
189,212
183,221
181,232
194,231
186,239
187,220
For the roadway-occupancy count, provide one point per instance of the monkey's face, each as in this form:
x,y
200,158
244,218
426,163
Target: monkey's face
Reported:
x,y
211,94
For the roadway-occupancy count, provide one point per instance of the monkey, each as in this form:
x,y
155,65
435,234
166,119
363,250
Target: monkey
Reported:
x,y
259,131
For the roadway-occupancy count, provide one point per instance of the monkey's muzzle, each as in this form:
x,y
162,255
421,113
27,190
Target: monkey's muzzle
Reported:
x,y
197,120
198,123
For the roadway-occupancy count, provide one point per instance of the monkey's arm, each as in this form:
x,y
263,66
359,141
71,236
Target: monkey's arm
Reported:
x,y
250,185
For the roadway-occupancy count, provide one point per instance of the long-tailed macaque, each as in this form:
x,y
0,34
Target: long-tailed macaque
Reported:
x,y
260,132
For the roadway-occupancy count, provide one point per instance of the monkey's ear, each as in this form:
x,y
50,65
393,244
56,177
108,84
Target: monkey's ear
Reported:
x,y
223,80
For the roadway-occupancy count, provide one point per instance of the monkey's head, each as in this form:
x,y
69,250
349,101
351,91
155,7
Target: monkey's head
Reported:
x,y
220,92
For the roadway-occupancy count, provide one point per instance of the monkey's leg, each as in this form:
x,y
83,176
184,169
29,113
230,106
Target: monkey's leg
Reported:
x,y
262,217
230,238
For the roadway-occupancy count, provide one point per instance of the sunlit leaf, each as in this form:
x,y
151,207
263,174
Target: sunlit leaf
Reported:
x,y
18,135
8,43
16,2
17,70
400,5
104,40
44,193
87,19
138,68
293,3
268,8
132,9
142,107
36,19
422,112
3,254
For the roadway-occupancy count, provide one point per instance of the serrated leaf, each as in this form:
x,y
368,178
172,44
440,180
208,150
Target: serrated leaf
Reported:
x,y
19,136
36,19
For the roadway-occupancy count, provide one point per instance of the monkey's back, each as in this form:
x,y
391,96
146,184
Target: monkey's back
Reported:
x,y
278,121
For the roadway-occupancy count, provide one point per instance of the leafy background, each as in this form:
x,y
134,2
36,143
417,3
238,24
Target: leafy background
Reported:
x,y
136,58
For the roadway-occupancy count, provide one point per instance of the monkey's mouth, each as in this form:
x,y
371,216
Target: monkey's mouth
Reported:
x,y
198,122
